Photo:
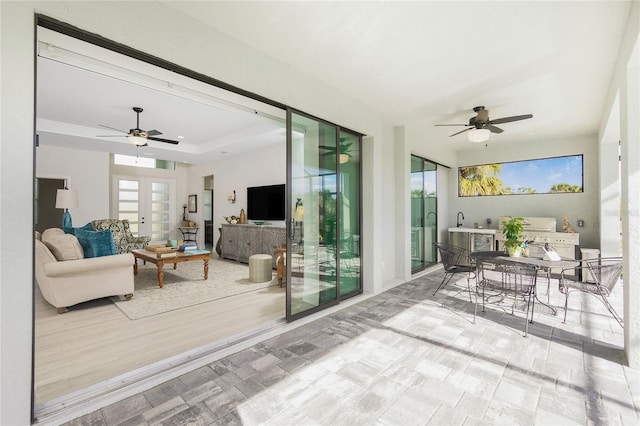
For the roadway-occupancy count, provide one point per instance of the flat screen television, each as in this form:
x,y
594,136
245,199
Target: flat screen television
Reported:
x,y
266,202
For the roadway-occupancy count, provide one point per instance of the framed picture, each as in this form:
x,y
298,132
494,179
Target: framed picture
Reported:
x,y
193,203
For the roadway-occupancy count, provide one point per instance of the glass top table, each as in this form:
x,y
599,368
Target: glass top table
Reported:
x,y
500,257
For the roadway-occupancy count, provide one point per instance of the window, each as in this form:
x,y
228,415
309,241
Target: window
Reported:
x,y
540,176
149,163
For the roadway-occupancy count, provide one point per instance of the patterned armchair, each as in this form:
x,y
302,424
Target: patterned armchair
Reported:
x,y
122,236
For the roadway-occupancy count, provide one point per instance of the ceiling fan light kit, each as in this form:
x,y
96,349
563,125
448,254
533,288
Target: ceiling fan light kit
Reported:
x,y
137,136
137,140
479,135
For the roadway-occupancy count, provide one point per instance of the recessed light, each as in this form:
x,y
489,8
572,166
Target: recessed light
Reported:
x,y
180,137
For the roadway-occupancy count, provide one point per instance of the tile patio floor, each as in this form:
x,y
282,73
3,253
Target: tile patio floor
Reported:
x,y
405,357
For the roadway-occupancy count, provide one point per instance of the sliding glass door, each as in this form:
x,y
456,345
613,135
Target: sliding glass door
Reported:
x,y
424,213
323,244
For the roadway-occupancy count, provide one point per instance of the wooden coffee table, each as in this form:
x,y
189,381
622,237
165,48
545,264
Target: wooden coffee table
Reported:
x,y
149,256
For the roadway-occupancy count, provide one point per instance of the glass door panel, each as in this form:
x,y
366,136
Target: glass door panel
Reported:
x,y
417,215
147,203
431,212
349,215
312,191
424,208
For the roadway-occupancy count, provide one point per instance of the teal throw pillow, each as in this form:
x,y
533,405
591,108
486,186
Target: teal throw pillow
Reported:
x,y
72,231
96,243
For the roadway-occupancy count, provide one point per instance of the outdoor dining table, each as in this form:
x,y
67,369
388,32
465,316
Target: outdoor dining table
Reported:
x,y
539,263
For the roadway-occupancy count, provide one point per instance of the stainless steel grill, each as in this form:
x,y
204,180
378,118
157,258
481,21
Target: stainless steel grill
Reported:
x,y
542,230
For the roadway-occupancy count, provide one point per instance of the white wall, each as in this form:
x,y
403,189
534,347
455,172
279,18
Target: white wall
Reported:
x,y
16,210
577,206
87,172
265,166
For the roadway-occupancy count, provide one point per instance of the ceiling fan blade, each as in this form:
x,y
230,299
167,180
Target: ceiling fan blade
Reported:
x,y
440,125
510,119
162,140
153,133
494,129
112,128
462,131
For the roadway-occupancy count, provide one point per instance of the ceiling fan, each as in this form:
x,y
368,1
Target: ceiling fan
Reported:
x,y
344,150
482,122
137,135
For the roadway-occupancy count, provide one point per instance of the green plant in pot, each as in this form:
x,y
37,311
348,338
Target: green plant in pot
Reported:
x,y
512,231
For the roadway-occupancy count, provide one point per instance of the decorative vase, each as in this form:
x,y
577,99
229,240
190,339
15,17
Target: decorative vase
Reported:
x,y
514,251
243,217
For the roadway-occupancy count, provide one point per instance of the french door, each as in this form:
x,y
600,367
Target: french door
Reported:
x,y
148,203
324,215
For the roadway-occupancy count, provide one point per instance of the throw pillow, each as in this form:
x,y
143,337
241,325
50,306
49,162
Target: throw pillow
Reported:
x,y
64,247
96,243
72,231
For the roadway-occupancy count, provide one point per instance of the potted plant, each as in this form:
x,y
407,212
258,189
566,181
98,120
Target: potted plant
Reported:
x,y
512,230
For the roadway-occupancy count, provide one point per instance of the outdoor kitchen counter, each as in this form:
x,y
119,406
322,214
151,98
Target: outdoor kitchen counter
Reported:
x,y
473,230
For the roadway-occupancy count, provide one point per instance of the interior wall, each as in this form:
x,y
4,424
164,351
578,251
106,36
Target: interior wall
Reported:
x,y
578,206
260,167
87,172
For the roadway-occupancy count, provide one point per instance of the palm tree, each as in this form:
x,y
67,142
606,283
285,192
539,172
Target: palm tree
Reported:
x,y
480,180
565,187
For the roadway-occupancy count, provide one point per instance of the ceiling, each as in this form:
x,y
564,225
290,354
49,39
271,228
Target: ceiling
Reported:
x,y
418,63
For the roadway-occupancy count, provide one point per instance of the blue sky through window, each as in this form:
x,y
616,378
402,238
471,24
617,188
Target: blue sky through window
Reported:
x,y
541,174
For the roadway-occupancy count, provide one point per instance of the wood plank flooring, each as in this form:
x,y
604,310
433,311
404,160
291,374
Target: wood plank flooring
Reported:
x,y
95,341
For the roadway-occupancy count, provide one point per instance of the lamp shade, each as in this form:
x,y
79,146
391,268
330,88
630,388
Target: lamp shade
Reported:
x,y
66,199
298,215
479,135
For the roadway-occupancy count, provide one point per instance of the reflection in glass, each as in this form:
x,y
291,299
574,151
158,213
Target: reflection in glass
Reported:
x,y
349,252
423,213
312,246
324,246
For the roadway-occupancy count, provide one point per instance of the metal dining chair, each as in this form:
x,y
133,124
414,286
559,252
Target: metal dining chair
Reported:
x,y
511,279
455,260
605,273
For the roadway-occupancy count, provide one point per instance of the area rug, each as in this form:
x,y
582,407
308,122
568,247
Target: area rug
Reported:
x,y
186,286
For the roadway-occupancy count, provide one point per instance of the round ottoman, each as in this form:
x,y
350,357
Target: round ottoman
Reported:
x,y
260,268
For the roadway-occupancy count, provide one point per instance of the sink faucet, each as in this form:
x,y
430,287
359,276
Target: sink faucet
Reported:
x,y
458,221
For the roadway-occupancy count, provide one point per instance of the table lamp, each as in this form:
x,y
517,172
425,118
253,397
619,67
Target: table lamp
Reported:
x,y
66,199
298,215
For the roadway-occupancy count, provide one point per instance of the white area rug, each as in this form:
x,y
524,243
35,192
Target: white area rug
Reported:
x,y
186,286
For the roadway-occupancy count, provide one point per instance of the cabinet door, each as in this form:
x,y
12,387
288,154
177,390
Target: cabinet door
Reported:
x,y
229,242
250,241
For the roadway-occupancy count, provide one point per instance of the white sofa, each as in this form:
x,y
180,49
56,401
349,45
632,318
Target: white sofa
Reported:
x,y
66,278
